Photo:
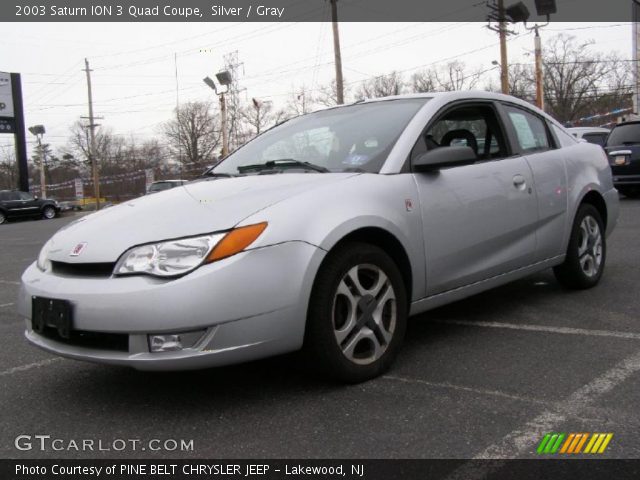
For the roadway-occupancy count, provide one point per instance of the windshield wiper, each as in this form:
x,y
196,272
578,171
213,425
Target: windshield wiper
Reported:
x,y
282,163
218,175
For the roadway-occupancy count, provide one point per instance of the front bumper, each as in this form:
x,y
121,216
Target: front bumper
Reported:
x,y
626,180
250,305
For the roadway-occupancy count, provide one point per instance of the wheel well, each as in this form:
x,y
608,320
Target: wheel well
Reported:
x,y
595,199
390,244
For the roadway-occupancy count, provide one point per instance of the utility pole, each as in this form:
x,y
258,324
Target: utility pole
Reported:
x,y
92,133
504,61
336,51
539,84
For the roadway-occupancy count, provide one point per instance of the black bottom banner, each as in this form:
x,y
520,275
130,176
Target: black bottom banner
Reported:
x,y
201,469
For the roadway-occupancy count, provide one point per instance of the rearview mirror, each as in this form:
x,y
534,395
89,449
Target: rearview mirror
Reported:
x,y
444,157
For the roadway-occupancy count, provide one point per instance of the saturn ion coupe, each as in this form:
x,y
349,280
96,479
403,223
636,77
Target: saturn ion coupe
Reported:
x,y
324,234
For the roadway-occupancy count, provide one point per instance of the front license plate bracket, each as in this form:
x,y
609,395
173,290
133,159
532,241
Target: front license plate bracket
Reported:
x,y
51,313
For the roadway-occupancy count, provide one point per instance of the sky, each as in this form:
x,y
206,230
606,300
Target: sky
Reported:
x,y
135,86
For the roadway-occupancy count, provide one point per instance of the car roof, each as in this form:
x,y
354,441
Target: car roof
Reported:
x,y
630,122
455,95
589,129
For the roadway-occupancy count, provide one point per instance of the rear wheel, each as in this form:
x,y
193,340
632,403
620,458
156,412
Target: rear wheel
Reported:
x,y
586,254
48,212
357,314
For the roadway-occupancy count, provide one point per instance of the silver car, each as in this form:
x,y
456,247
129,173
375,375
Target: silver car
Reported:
x,y
324,234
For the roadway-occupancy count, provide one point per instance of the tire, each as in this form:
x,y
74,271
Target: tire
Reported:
x,y
357,314
3,217
587,251
48,213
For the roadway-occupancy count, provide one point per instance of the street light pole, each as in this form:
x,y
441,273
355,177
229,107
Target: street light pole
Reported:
x,y
225,79
43,181
223,120
39,131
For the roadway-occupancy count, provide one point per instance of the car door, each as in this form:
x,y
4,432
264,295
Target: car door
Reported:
x,y
13,204
30,206
534,141
478,220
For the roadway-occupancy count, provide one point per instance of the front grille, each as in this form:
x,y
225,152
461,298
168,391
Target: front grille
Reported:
x,y
99,340
83,269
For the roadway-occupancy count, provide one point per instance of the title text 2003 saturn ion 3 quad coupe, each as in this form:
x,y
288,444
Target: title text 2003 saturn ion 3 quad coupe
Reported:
x,y
325,233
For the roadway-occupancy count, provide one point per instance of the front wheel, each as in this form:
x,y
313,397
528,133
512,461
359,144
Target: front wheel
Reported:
x,y
357,313
3,217
586,254
48,213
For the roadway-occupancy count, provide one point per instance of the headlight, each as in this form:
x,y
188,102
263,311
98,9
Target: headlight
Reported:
x,y
177,257
43,262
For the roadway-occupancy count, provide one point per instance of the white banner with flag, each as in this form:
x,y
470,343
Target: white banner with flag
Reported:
x,y
79,189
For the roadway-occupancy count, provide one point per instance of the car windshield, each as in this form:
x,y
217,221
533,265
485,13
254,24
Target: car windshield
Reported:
x,y
624,135
354,138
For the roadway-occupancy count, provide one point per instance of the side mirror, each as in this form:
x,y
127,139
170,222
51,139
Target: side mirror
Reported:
x,y
444,157
35,197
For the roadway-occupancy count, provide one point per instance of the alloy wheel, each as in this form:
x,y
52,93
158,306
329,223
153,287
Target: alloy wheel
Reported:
x,y
590,246
364,313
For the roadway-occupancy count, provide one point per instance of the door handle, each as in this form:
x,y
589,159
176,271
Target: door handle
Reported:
x,y
519,181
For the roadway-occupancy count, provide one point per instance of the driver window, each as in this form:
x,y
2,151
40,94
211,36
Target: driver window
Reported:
x,y
25,196
468,126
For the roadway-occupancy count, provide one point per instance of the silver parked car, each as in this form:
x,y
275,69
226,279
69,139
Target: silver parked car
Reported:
x,y
324,233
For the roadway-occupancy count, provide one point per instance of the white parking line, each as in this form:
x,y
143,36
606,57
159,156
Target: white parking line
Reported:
x,y
544,328
9,282
480,391
2,305
523,439
29,366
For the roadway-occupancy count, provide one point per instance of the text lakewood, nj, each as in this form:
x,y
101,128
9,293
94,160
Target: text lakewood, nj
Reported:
x,y
158,11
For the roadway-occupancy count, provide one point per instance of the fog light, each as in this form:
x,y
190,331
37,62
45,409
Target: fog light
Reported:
x,y
172,342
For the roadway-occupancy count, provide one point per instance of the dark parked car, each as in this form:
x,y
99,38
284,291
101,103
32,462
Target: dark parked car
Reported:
x,y
623,148
15,204
161,185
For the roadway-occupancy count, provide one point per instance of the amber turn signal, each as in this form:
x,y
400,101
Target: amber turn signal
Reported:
x,y
236,241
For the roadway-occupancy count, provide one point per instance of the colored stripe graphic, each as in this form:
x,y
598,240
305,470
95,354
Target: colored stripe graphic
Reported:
x,y
573,443
605,443
567,443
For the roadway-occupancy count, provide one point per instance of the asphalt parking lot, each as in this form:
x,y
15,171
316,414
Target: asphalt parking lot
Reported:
x,y
485,377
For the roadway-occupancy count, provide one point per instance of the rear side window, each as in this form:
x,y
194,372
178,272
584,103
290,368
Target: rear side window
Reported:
x,y
531,133
597,138
9,196
624,135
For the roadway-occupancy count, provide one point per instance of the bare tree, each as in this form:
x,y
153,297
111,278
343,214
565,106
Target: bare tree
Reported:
x,y
193,135
382,86
574,76
8,169
258,116
455,76
423,81
328,94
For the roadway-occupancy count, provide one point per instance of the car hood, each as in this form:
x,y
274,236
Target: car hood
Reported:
x,y
195,208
